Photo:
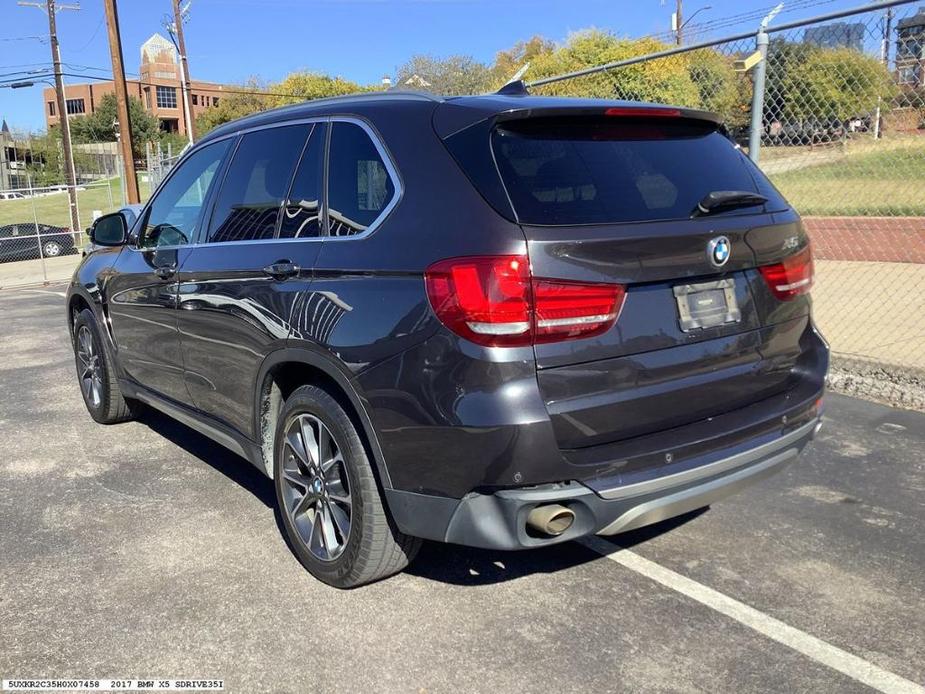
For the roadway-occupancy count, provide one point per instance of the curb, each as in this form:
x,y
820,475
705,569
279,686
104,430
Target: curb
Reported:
x,y
890,384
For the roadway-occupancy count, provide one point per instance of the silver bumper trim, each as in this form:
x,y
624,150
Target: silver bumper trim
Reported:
x,y
701,495
720,466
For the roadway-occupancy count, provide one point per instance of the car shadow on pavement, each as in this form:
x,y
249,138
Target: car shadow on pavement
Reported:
x,y
216,456
452,564
468,566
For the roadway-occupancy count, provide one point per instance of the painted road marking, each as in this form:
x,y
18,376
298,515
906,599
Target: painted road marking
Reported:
x,y
13,290
822,652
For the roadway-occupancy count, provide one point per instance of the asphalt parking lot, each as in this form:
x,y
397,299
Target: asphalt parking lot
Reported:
x,y
145,550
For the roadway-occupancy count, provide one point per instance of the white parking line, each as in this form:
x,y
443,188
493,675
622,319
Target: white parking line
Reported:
x,y
810,646
13,290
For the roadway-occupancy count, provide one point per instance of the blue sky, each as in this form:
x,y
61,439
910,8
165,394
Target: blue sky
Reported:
x,y
362,40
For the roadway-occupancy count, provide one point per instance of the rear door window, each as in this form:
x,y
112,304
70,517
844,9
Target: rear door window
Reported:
x,y
594,171
249,202
302,212
360,187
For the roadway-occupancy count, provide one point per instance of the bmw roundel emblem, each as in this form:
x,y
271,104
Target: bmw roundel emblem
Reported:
x,y
719,250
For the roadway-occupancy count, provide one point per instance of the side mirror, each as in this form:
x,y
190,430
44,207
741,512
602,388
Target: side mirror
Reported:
x,y
110,230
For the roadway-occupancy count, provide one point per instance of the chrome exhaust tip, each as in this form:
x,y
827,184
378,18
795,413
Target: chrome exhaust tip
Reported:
x,y
550,519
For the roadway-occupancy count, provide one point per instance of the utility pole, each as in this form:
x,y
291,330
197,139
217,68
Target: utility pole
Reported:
x,y
679,22
130,181
179,15
70,175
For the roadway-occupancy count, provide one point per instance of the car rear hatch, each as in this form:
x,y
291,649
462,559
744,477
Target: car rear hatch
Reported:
x,y
619,195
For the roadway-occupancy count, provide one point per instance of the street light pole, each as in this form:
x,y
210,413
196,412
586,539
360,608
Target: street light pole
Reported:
x,y
70,174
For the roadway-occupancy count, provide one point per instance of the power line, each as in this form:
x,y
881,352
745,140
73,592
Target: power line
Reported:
x,y
92,36
215,90
700,28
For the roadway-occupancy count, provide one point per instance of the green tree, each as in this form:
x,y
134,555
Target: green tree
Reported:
x,y
780,89
838,83
47,166
454,75
98,126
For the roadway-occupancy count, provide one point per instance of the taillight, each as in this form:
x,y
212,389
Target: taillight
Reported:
x,y
485,299
494,301
792,277
564,310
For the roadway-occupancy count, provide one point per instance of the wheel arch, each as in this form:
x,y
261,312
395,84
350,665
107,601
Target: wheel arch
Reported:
x,y
76,303
291,367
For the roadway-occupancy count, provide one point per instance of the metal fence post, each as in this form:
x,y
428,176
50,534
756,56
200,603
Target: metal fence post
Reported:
x,y
122,177
38,238
757,126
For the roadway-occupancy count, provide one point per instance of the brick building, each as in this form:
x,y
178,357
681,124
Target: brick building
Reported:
x,y
158,89
910,50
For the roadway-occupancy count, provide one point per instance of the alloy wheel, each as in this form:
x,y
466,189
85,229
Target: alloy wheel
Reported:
x,y
316,490
91,376
51,249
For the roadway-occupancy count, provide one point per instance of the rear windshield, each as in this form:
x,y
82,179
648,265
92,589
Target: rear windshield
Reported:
x,y
594,171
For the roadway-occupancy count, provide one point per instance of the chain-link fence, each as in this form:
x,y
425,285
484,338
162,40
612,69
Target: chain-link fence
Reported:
x,y
159,162
37,243
840,129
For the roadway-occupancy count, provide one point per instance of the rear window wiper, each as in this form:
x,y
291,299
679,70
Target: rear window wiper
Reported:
x,y
720,200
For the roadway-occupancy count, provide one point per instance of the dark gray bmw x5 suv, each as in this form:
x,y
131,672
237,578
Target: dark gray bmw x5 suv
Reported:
x,y
502,321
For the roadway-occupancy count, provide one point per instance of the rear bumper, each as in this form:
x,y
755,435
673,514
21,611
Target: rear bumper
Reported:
x,y
498,520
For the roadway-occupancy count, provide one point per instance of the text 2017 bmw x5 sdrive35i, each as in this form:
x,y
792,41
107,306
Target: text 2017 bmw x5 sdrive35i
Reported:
x,y
502,321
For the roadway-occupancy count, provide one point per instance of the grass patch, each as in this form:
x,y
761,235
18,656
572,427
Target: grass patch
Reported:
x,y
886,182
53,209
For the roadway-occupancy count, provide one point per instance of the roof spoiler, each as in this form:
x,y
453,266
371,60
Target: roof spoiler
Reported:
x,y
454,116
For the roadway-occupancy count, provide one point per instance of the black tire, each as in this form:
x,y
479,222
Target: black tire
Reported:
x,y
373,548
105,402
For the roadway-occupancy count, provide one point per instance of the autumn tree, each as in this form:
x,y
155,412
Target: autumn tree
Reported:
x,y
508,62
454,75
664,80
249,98
303,86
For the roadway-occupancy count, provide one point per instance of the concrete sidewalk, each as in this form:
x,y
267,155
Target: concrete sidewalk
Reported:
x,y
26,273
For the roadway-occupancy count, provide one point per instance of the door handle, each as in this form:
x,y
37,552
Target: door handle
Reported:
x,y
282,269
165,272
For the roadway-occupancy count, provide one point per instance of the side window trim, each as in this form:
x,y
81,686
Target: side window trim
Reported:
x,y
208,205
202,231
295,172
325,168
390,168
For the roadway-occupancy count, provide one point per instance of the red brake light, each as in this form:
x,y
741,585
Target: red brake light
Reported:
x,y
643,112
564,310
494,301
485,299
792,277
